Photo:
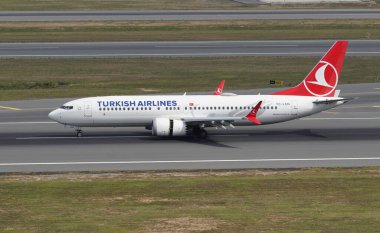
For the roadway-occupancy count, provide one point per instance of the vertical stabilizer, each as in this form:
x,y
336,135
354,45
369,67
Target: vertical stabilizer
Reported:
x,y
323,78
219,89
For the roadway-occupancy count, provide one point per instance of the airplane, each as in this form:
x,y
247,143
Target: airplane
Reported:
x,y
182,115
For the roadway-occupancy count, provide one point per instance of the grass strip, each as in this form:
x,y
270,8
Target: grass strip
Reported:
x,y
27,5
56,78
188,30
307,200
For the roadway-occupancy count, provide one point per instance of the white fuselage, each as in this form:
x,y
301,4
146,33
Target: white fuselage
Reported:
x,y
124,111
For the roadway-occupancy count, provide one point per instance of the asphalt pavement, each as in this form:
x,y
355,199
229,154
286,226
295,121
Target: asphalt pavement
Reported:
x,y
189,15
183,49
346,136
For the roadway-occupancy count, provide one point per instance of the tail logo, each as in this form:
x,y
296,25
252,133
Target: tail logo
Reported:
x,y
322,80
218,90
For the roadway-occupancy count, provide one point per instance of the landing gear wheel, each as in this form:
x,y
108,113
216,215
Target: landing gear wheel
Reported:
x,y
203,134
200,132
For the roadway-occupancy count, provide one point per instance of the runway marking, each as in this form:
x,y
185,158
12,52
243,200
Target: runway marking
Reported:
x,y
342,118
187,161
26,122
84,137
221,46
10,108
125,136
159,54
174,54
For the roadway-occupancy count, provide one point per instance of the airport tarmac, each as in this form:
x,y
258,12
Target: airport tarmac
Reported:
x,y
183,49
346,136
189,15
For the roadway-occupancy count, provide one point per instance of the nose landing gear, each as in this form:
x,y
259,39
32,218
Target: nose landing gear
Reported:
x,y
79,132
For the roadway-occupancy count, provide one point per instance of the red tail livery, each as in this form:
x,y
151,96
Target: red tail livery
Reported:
x,y
323,78
219,89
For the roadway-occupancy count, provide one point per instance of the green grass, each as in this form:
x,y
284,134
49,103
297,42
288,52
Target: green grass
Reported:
x,y
115,4
21,5
309,200
54,78
188,30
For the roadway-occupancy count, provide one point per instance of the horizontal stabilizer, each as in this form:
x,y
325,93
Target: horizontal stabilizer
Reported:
x,y
329,101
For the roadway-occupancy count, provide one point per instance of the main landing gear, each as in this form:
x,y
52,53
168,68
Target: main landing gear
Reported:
x,y
200,132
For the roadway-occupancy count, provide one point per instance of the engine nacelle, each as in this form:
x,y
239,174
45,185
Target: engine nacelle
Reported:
x,y
168,127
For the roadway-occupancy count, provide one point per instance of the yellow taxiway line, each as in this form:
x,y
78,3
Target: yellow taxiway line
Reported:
x,y
9,108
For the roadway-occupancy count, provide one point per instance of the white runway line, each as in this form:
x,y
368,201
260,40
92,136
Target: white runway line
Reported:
x,y
84,137
125,136
341,118
190,161
27,122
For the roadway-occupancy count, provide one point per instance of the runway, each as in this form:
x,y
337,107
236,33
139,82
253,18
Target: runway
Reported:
x,y
346,136
189,15
183,49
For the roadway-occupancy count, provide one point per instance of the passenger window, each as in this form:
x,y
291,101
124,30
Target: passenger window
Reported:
x,y
158,108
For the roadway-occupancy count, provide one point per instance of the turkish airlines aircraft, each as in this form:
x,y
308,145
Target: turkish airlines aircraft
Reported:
x,y
180,115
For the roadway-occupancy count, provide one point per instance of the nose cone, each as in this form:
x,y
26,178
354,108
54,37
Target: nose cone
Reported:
x,y
54,115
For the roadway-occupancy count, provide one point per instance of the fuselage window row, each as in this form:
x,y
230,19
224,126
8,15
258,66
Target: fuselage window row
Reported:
x,y
186,108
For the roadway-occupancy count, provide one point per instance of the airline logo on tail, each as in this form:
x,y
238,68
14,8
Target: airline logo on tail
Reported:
x,y
322,80
219,89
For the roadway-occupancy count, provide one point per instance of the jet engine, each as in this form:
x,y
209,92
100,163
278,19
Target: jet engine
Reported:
x,y
168,127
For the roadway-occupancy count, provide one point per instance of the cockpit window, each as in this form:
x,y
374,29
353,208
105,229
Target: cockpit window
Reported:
x,y
67,107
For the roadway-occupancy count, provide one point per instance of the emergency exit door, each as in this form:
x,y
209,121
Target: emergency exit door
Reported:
x,y
87,109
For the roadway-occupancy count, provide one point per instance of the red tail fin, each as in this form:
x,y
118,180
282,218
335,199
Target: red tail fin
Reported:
x,y
219,89
323,78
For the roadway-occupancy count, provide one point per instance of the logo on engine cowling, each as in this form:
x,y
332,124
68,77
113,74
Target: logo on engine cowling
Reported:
x,y
322,80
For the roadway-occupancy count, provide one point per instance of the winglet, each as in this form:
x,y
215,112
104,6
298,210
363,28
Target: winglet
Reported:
x,y
219,89
252,114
